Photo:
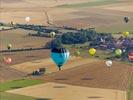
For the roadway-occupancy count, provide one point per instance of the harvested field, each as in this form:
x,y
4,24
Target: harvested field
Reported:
x,y
113,13
19,39
7,73
50,66
25,56
95,74
54,91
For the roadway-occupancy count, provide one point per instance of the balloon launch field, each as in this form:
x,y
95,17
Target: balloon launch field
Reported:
x,y
66,49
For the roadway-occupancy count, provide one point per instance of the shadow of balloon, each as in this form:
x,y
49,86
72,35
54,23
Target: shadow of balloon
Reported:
x,y
17,87
94,97
87,78
61,79
31,56
43,99
59,86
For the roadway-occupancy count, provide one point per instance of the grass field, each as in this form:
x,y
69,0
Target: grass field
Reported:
x,y
9,96
18,84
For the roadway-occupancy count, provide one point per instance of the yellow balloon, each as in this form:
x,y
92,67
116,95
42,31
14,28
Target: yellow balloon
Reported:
x,y
126,34
9,46
92,51
77,53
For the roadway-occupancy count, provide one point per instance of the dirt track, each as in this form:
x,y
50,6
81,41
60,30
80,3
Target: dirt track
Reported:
x,y
95,74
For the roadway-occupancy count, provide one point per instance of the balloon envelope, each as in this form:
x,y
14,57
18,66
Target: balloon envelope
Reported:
x,y
7,60
126,34
92,51
77,53
27,19
109,63
118,52
52,34
126,19
60,56
130,55
9,46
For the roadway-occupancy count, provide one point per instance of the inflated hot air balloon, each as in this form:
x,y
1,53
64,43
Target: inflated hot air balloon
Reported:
x,y
126,19
130,55
92,51
52,34
27,19
109,63
9,46
7,60
60,56
77,53
118,52
126,34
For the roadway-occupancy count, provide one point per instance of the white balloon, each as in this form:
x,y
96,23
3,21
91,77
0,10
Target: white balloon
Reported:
x,y
109,63
27,19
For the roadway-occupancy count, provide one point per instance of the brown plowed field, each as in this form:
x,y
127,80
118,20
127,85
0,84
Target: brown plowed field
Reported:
x,y
95,75
7,73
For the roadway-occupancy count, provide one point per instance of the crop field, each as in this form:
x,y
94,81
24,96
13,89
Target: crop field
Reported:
x,y
82,77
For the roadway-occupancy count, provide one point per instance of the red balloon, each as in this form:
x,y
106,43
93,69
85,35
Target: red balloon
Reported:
x,y
7,60
130,56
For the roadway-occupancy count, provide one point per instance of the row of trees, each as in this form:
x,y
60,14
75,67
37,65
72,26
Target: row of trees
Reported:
x,y
79,37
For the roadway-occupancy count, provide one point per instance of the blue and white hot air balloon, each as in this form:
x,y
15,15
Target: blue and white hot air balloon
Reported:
x,y
60,56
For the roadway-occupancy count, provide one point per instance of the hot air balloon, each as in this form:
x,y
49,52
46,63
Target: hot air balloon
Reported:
x,y
118,52
126,34
27,19
77,53
52,34
92,51
9,46
109,63
60,56
126,19
130,56
7,60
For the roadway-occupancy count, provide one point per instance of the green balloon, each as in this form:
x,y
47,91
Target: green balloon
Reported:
x,y
118,52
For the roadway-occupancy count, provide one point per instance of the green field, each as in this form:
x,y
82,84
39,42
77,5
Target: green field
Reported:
x,y
9,96
15,84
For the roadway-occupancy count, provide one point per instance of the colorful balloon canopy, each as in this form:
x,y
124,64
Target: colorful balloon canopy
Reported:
x,y
60,56
130,55
118,52
92,51
52,34
109,63
9,46
7,60
126,34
